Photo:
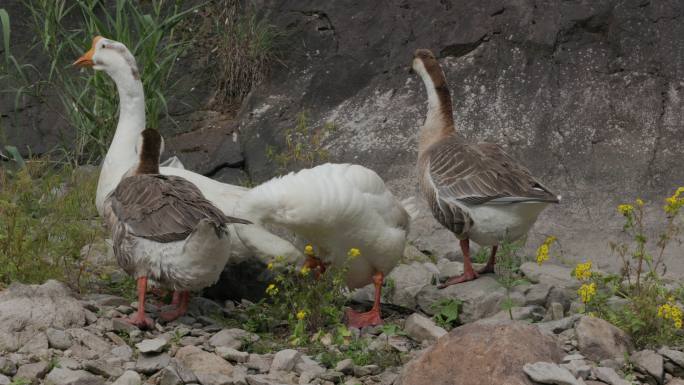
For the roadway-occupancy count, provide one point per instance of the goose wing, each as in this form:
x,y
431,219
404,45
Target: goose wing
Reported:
x,y
482,173
163,208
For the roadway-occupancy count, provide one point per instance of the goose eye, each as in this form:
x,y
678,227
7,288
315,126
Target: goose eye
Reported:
x,y
102,45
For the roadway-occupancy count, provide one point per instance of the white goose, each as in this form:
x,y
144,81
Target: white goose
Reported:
x,y
475,190
164,229
337,207
117,61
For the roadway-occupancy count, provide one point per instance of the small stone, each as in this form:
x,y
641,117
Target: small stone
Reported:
x,y
597,339
421,328
306,364
649,362
90,317
285,360
260,379
673,355
169,376
366,370
232,338
7,366
609,376
125,309
231,354
120,325
103,368
578,368
124,352
155,345
548,373
33,371
332,375
151,363
128,378
208,367
58,339
345,366
556,311
108,300
537,294
259,362
4,380
60,376
190,341
559,326
573,357
69,363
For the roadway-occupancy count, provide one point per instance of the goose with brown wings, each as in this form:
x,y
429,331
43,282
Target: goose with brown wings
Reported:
x,y
165,230
475,190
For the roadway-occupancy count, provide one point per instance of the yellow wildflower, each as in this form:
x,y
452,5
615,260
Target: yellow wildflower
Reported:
x,y
674,203
308,250
301,315
587,292
670,311
272,289
625,210
582,271
270,266
305,270
543,250
354,252
640,202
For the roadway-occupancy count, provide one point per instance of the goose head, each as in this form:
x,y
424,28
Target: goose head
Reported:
x,y
425,64
110,56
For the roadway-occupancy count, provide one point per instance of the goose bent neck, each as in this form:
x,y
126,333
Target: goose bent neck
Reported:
x,y
439,121
121,155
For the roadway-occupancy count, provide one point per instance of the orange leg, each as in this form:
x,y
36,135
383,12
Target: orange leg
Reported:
x,y
373,316
183,301
138,318
468,273
489,267
176,298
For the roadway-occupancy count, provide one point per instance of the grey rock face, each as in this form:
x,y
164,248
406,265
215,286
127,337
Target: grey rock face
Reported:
x,y
206,366
598,339
231,354
7,366
609,376
152,363
285,360
33,371
4,380
586,95
59,376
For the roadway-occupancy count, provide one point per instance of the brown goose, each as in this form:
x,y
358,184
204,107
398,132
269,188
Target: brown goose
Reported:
x,y
164,229
477,190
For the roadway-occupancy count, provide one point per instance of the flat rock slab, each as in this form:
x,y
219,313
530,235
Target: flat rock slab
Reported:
x,y
482,354
480,298
203,364
421,328
155,345
128,378
232,338
598,340
59,376
549,274
548,373
649,362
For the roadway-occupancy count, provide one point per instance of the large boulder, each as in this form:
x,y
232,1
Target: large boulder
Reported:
x,y
27,310
482,354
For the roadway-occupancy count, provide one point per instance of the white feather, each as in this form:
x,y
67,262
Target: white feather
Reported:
x,y
336,207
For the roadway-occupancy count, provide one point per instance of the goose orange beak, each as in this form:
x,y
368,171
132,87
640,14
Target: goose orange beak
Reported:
x,y
87,59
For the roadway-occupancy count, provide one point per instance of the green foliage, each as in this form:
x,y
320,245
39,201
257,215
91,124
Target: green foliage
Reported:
x,y
90,99
507,270
652,313
447,312
244,44
303,145
304,299
20,381
358,351
48,215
